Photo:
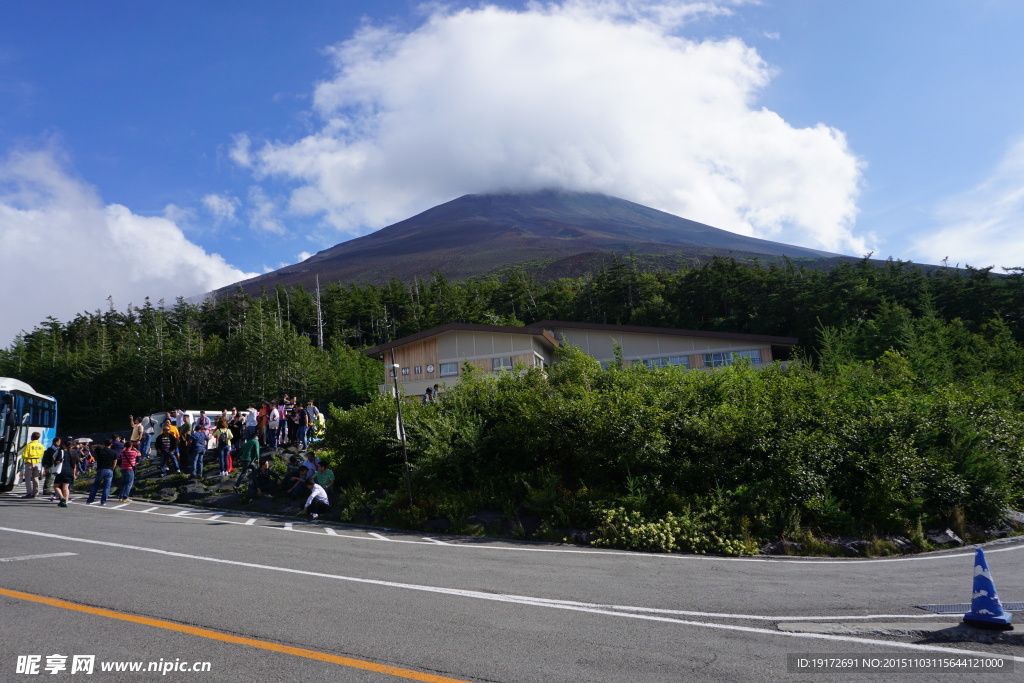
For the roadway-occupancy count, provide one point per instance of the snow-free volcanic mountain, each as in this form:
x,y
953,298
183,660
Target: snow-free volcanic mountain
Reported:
x,y
557,233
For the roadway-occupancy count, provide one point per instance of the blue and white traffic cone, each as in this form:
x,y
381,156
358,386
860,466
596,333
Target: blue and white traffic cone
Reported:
x,y
986,610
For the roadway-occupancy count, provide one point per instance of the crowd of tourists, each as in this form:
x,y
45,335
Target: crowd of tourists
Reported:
x,y
245,440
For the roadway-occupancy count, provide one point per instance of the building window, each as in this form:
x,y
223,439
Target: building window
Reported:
x,y
504,363
538,361
665,361
418,370
449,368
721,359
754,356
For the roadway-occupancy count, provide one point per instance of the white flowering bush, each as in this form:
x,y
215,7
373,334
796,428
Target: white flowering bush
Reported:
x,y
622,528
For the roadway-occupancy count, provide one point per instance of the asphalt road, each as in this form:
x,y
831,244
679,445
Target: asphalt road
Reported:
x,y
355,600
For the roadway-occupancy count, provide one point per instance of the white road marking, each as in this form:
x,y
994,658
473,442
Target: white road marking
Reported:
x,y
288,526
434,540
122,505
250,521
330,531
214,517
526,600
35,557
968,550
724,615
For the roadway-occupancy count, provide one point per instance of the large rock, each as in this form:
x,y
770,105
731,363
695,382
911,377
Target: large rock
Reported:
x,y
223,486
224,500
490,520
903,544
166,494
441,524
192,493
943,537
782,547
261,505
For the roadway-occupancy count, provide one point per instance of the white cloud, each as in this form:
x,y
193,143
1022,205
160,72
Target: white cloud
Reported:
x,y
589,95
263,212
221,207
178,214
240,151
303,255
983,226
64,251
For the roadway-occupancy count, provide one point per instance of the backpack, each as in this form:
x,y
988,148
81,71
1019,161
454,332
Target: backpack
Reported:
x,y
48,457
222,438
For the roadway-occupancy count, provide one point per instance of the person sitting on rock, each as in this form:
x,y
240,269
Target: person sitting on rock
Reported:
x,y
317,503
324,476
297,482
311,462
264,481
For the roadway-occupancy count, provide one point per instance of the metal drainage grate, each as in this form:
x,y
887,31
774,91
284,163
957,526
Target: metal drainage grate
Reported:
x,y
964,607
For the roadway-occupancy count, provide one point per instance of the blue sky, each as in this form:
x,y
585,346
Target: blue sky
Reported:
x,y
184,145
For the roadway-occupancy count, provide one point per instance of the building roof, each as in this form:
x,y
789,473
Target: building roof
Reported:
x,y
542,329
640,329
533,330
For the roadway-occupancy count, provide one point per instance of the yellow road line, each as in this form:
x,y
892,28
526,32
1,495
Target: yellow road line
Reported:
x,y
236,640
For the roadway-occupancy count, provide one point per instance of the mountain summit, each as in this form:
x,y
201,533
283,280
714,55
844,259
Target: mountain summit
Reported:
x,y
557,232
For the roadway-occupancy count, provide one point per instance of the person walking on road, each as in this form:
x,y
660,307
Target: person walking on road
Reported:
x,y
105,459
32,457
48,460
64,478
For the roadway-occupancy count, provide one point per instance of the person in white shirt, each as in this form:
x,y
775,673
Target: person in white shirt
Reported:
x,y
250,422
273,426
317,502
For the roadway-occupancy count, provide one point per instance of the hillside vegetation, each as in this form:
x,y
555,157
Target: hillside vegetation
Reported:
x,y
904,408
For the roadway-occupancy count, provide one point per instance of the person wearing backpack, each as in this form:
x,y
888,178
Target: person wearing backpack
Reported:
x,y
223,435
48,460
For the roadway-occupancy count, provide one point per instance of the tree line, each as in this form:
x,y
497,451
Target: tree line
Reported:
x,y
104,364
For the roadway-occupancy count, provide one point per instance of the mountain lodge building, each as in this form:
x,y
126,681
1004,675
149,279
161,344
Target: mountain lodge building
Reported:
x,y
436,356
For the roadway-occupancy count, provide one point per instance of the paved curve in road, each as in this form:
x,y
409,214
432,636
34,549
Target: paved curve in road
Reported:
x,y
246,594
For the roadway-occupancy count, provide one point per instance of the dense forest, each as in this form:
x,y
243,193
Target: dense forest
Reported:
x,y
106,364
